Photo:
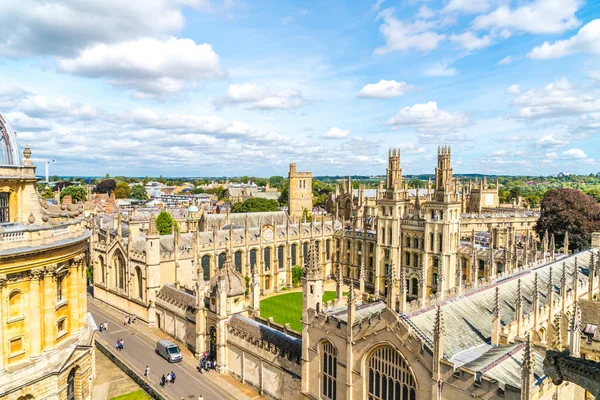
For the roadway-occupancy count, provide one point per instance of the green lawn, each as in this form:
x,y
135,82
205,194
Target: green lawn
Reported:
x,y
137,395
287,308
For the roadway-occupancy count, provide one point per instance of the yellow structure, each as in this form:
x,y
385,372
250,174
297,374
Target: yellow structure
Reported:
x,y
45,332
300,192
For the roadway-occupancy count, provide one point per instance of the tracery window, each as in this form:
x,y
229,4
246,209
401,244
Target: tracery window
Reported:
x,y
267,258
253,258
238,261
206,268
139,281
222,257
280,257
329,371
389,376
294,255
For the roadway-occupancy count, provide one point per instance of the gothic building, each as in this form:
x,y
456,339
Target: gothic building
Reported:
x,y
45,332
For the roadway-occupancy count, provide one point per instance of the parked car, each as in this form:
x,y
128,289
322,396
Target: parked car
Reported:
x,y
168,350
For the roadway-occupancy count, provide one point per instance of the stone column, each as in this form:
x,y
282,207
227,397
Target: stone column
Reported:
x,y
49,310
35,328
2,314
73,295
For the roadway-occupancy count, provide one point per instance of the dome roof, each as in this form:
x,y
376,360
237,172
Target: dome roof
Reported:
x,y
9,149
235,284
193,208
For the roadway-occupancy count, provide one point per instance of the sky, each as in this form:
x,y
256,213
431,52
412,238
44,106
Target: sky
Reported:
x,y
225,88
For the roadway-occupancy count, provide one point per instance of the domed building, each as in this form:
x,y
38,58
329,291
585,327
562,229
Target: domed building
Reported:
x,y
45,331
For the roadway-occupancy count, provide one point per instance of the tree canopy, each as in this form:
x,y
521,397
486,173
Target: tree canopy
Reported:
x,y
106,186
255,204
569,210
77,193
138,192
122,190
165,223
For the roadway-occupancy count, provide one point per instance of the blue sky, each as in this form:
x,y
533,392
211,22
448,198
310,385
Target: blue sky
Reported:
x,y
200,88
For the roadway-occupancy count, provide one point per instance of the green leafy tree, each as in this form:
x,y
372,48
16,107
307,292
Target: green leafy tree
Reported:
x,y
283,197
197,191
106,186
296,276
594,192
145,181
515,192
276,181
122,190
218,191
255,204
47,194
138,192
165,223
162,180
77,193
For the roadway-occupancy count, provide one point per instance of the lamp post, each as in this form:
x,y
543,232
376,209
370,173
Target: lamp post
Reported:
x,y
47,164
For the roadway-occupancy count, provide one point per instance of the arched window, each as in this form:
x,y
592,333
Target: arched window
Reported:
x,y
71,385
280,257
206,268
252,258
60,285
440,243
119,264
221,260
416,243
415,287
138,279
15,304
267,258
328,248
389,376
305,251
238,261
435,279
407,241
329,371
293,254
4,207
407,258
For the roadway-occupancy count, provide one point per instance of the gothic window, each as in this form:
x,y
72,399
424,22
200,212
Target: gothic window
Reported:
x,y
59,288
407,258
435,279
431,241
328,248
71,385
387,254
383,235
294,248
499,267
390,237
481,265
389,376
267,258
440,243
305,251
359,245
15,304
407,241
348,245
371,247
329,371
4,207
436,262
280,256
138,279
221,260
416,243
371,262
206,268
119,264
387,269
416,260
238,261
102,269
415,286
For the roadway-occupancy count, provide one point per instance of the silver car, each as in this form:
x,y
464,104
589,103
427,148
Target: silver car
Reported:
x,y
168,350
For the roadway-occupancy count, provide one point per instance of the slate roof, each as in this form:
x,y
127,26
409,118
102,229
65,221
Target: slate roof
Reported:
x,y
239,219
285,342
171,294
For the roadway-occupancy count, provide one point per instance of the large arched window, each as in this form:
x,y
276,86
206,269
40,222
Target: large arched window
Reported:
x,y
206,268
305,251
280,257
15,304
329,370
415,286
238,261
119,264
71,385
252,259
389,377
221,260
267,258
294,254
138,280
102,269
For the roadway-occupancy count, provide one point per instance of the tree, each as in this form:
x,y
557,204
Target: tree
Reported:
x,y
106,186
77,193
47,193
416,183
138,192
255,204
162,180
145,181
122,190
276,181
283,197
165,223
569,210
515,192
296,276
197,190
219,191
594,192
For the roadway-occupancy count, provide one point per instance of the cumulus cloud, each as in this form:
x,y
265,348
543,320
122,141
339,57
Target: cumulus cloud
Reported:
x,y
549,141
467,6
336,133
402,36
469,41
151,67
384,89
537,17
506,60
411,148
440,69
38,27
587,40
43,107
428,119
514,89
574,154
425,12
261,97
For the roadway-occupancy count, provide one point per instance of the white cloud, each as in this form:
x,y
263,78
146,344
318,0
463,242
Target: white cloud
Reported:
x,y
440,70
377,5
549,141
403,36
411,148
538,17
149,66
574,154
425,12
587,40
384,89
261,97
506,60
41,106
428,119
466,6
514,89
469,41
38,27
336,133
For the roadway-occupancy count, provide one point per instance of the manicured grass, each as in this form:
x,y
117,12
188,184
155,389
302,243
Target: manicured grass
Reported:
x,y
287,308
137,395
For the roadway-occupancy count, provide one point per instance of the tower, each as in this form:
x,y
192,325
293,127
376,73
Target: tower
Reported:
x,y
300,192
152,267
443,174
393,172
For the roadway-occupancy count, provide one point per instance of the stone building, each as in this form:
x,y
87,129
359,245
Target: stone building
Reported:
x,y
45,331
299,193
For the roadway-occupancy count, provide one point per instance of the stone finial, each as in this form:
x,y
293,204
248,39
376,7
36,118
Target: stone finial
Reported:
x,y
535,294
27,154
313,265
557,329
576,318
351,294
361,271
528,355
519,299
496,306
438,327
152,229
31,218
550,283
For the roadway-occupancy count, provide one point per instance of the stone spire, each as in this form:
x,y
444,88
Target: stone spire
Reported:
x,y
392,283
575,331
441,278
402,291
552,247
152,229
527,370
459,281
566,244
496,324
519,308
545,243
535,300
438,342
361,278
422,282
339,284
563,286
591,275
550,294
575,280
474,277
312,265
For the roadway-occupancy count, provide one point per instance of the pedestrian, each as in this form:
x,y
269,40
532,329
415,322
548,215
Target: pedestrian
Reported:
x,y
134,318
118,345
122,344
173,377
163,380
105,325
168,378
100,328
200,397
125,321
147,372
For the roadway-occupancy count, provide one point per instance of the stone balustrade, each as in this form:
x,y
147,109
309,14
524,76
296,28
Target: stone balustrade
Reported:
x,y
32,236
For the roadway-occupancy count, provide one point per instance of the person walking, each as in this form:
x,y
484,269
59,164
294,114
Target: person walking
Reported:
x,y
168,378
118,345
105,325
134,318
173,377
100,327
147,371
122,343
163,380
125,321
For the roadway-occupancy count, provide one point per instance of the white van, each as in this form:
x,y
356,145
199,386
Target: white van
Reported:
x,y
169,350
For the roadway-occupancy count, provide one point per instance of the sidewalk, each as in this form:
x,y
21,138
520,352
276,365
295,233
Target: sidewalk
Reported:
x,y
225,382
110,380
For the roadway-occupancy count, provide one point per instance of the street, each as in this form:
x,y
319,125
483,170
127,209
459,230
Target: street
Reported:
x,y
139,352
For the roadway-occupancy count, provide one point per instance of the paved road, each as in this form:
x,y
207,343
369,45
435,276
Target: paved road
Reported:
x,y
139,352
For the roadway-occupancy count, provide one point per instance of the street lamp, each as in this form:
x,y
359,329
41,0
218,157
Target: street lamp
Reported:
x,y
47,163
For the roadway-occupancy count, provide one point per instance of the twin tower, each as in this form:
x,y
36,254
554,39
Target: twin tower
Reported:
x,y
300,198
